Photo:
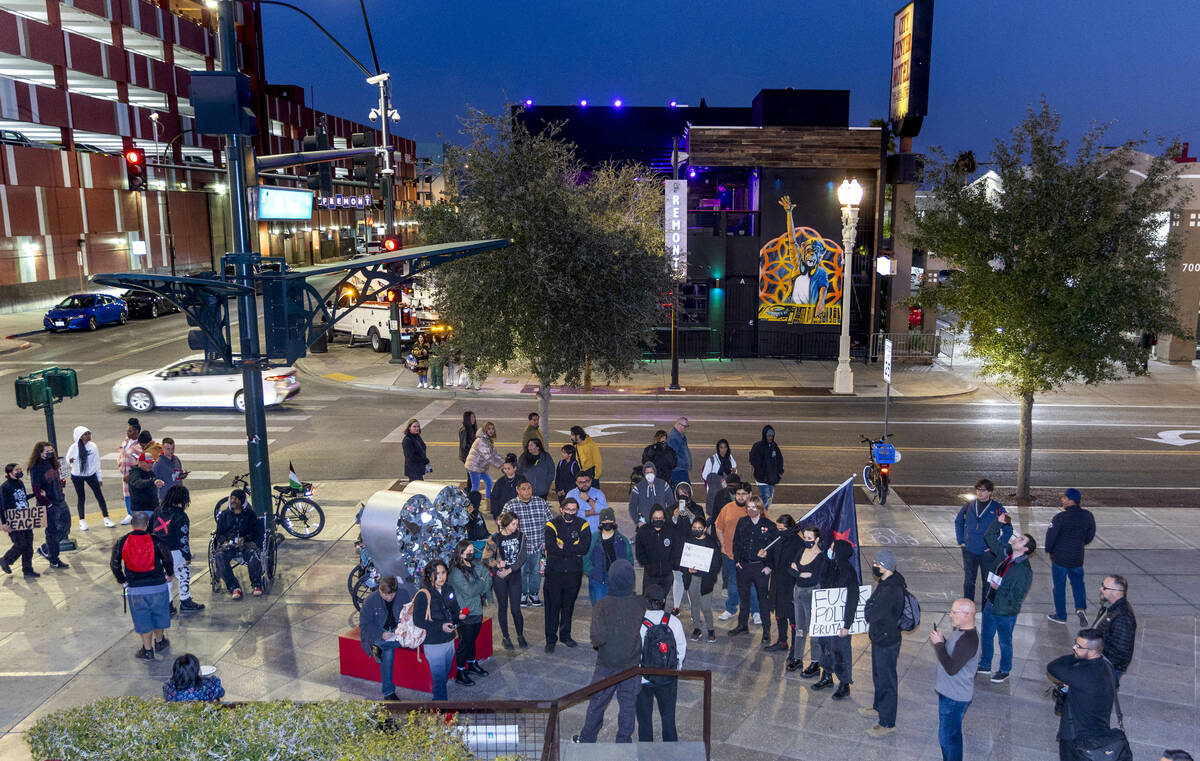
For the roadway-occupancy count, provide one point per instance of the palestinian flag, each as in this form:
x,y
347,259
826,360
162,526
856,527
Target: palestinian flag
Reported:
x,y
293,479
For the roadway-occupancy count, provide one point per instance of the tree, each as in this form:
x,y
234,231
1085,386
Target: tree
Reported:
x,y
584,275
1061,268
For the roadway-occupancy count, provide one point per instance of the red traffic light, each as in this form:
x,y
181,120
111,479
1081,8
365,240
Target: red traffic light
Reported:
x,y
390,244
135,157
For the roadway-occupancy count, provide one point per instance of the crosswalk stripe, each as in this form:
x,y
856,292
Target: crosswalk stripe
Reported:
x,y
186,457
424,416
218,429
109,377
194,475
271,418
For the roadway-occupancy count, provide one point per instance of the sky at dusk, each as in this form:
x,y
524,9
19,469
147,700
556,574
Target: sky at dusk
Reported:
x,y
1133,63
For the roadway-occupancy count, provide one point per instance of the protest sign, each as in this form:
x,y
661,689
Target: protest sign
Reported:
x,y
696,556
828,611
27,518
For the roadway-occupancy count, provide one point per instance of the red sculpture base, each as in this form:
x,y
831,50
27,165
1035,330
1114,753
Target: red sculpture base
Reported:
x,y
411,670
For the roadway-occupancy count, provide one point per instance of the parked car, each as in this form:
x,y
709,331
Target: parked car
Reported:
x,y
147,304
196,382
86,310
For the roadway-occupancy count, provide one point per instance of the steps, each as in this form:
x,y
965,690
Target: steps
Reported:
x,y
657,751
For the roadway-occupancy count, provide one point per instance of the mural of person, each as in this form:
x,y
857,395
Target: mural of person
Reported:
x,y
812,281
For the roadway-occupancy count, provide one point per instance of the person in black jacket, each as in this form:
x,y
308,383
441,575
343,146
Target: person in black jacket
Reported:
x,y
143,566
1116,623
476,526
436,609
143,486
1069,532
45,483
505,488
171,525
751,538
704,578
568,539
377,628
616,638
835,650
14,497
883,611
1090,694
780,582
466,435
767,461
239,534
566,472
661,454
416,461
653,546
806,570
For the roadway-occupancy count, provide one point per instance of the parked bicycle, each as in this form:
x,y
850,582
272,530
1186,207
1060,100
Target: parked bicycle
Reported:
x,y
877,472
293,508
363,578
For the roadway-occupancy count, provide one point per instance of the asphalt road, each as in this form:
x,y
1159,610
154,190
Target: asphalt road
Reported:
x,y
333,431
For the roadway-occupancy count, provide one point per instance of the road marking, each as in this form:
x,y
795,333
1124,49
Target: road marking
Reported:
x,y
49,362
271,417
1173,437
424,416
193,475
596,431
109,377
187,456
321,397
341,377
780,424
218,429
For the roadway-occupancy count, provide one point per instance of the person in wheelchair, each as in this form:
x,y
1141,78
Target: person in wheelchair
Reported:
x,y
239,534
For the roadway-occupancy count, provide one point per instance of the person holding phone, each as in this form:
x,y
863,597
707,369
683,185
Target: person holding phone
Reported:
x,y
436,610
168,468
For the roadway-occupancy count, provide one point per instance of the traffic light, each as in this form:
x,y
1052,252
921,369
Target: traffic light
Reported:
x,y
320,176
388,245
364,166
135,168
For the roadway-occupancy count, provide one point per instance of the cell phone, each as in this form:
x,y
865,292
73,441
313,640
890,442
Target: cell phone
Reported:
x,y
935,627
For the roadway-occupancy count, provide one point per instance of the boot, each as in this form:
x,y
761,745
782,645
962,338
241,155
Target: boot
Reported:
x,y
778,647
474,668
794,665
462,678
813,669
842,691
825,681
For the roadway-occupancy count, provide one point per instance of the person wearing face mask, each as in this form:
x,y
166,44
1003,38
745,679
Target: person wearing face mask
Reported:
x,y
780,582
568,539
726,525
806,570
84,459
611,545
648,492
700,582
683,512
751,539
471,582
654,549
882,612
14,497
46,484
661,454
836,658
504,555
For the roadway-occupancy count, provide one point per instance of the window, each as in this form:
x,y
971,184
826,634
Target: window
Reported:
x,y
1194,219
693,304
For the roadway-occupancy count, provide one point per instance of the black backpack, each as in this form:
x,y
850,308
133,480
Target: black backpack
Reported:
x,y
658,648
910,616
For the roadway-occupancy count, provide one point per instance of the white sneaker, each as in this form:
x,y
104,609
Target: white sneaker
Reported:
x,y
108,522
757,620
725,616
82,525
127,520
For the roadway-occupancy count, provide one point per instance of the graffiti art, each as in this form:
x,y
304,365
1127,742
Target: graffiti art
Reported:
x,y
800,276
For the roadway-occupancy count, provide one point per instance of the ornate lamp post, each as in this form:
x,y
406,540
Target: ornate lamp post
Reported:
x,y
850,194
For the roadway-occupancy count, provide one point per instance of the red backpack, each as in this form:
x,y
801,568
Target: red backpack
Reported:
x,y
138,553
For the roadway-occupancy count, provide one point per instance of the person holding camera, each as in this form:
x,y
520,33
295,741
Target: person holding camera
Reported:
x,y
239,535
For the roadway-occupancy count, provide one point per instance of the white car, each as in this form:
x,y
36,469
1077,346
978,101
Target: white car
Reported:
x,y
196,382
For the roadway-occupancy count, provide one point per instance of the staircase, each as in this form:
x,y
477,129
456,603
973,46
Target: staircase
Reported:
x,y
657,751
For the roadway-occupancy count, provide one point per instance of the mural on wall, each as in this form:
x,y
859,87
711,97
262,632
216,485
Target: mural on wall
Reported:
x,y
800,276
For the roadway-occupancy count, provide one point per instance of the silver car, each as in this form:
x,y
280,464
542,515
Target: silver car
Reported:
x,y
196,382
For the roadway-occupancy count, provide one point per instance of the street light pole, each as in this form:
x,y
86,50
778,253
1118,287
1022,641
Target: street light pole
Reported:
x,y
849,196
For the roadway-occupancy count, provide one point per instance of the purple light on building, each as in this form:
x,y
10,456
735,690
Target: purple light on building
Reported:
x,y
618,103
583,103
673,103
528,102
692,173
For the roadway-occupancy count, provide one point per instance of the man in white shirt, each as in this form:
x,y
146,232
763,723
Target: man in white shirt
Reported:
x,y
657,653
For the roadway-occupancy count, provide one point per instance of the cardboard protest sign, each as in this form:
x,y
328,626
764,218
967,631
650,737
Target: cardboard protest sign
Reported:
x,y
27,518
828,611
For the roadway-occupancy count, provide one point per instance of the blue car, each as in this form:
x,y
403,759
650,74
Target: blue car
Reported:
x,y
86,311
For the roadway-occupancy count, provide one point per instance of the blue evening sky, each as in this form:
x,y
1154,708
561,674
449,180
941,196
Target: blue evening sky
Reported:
x,y
1134,63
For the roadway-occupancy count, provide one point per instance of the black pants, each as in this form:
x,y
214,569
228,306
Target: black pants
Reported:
x,y
836,657
666,582
883,673
465,651
508,595
561,589
974,565
666,695
22,547
250,556
58,520
94,482
752,574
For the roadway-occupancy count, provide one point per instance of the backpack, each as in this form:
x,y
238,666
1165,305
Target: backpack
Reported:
x,y
138,553
910,616
408,634
658,648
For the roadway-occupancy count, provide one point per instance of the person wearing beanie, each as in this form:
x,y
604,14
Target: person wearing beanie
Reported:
x,y
609,546
882,612
650,491
616,638
1070,531
659,632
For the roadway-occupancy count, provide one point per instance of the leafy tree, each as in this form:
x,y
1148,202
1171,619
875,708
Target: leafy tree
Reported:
x,y
581,283
1060,269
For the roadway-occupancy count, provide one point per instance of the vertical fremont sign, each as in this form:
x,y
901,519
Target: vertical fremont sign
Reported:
x,y
675,225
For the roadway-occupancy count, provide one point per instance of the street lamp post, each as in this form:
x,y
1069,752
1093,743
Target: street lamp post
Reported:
x,y
850,194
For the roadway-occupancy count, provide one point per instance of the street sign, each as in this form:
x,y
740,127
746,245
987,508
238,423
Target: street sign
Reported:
x,y
675,225
887,360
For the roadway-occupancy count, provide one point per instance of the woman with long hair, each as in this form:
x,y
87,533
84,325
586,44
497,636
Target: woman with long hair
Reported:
x,y
471,582
436,610
84,460
504,555
537,467
186,683
127,454
416,460
482,457
806,570
780,584
46,485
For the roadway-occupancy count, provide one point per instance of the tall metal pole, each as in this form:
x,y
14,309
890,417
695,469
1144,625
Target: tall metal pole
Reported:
x,y
675,287
237,154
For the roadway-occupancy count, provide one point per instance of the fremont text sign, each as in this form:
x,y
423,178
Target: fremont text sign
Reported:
x,y
675,225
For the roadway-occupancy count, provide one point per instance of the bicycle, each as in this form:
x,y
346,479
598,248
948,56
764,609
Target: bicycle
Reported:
x,y
293,509
363,578
877,472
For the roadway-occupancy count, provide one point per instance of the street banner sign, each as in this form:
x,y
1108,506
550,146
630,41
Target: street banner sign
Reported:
x,y
675,225
887,360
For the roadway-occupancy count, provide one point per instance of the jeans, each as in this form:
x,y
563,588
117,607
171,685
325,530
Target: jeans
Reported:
x,y
731,590
994,625
508,596
883,674
836,657
802,606
531,580
950,719
92,481
666,695
597,590
974,565
475,478
467,634
387,664
1060,575
751,574
441,658
561,591
627,695
766,491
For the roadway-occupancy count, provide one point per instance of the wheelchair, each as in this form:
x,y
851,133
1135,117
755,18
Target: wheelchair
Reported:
x,y
267,555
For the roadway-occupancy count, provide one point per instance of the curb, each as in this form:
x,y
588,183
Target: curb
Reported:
x,y
492,394
18,347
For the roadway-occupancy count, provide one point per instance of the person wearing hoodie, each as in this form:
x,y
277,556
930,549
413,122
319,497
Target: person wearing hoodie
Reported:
x,y
650,492
751,539
46,485
781,583
616,638
677,440
466,434
655,550
1009,581
170,525
483,457
83,457
608,547
836,658
767,462
537,467
700,582
720,463
882,612
14,497
565,472
416,459
476,526
588,453
505,487
659,453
